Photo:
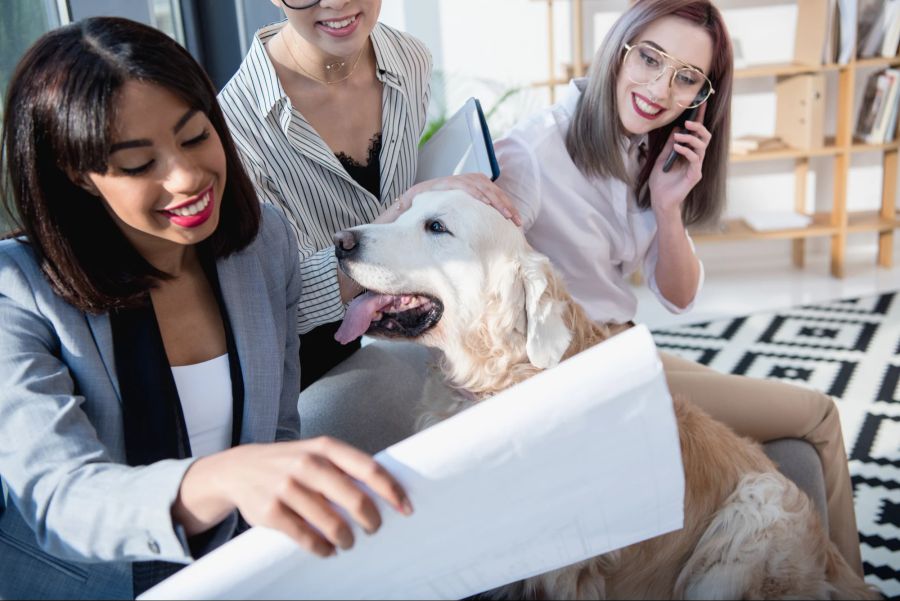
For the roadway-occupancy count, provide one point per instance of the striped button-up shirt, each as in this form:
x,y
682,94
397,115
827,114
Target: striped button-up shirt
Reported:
x,y
295,170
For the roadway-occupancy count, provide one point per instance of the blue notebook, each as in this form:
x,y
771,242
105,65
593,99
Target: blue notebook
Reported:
x,y
462,145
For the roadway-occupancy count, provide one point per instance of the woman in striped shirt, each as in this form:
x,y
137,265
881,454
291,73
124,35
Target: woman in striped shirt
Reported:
x,y
327,110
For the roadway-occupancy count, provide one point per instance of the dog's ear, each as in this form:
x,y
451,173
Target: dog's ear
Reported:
x,y
547,336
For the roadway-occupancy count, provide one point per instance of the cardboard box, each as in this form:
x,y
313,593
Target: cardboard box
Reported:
x,y
800,110
812,31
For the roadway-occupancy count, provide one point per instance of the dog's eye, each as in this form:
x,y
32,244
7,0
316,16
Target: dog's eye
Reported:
x,y
436,227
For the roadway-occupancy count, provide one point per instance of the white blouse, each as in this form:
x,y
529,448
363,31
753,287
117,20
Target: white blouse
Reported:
x,y
206,403
590,228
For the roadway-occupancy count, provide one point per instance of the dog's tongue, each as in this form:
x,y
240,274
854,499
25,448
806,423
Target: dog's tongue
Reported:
x,y
360,314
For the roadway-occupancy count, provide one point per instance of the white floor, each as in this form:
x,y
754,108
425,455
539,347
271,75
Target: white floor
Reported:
x,y
743,278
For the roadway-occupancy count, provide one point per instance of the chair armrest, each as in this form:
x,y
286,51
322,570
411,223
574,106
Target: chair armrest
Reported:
x,y
798,460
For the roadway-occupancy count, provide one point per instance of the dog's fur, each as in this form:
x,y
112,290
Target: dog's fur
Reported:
x,y
748,531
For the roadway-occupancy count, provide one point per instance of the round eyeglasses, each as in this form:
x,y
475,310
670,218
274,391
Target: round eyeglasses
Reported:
x,y
300,4
643,64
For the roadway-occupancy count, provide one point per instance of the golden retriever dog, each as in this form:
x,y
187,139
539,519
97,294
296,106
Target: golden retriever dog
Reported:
x,y
453,274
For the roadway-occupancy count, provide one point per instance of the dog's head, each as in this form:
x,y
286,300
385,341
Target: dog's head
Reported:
x,y
452,273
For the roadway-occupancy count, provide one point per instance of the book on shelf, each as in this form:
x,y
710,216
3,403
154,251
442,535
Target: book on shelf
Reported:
x,y
869,28
891,129
892,29
751,143
873,97
876,134
847,24
886,123
767,221
878,32
832,34
877,118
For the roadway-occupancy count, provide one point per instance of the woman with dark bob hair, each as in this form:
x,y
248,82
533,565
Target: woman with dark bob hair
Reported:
x,y
147,332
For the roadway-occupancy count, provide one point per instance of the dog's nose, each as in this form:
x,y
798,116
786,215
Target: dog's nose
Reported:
x,y
345,243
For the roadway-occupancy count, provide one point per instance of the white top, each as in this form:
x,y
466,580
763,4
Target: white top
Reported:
x,y
206,403
590,228
293,168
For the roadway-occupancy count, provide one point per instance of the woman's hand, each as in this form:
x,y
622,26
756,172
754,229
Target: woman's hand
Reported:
x,y
668,190
290,486
476,185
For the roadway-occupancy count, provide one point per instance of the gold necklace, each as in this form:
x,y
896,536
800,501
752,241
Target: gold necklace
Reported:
x,y
337,65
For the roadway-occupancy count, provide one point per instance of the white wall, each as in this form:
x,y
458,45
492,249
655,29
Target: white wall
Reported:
x,y
484,47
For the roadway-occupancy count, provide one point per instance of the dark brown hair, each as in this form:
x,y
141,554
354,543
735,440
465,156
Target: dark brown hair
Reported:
x,y
59,111
594,136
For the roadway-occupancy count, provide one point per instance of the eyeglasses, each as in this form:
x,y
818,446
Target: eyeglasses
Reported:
x,y
300,4
643,64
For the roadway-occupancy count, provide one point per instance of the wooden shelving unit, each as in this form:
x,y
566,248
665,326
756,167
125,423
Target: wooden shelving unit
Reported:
x,y
839,222
780,69
737,229
835,224
829,149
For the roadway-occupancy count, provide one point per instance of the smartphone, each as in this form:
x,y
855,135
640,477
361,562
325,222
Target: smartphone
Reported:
x,y
687,115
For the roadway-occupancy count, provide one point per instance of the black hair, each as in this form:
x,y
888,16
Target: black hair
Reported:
x,y
58,120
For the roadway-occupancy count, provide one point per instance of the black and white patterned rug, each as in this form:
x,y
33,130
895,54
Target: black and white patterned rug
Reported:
x,y
851,350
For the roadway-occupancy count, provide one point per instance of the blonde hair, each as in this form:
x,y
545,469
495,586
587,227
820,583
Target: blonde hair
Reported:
x,y
594,136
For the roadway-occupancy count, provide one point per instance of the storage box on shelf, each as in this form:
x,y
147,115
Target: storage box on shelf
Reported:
x,y
802,80
836,223
800,110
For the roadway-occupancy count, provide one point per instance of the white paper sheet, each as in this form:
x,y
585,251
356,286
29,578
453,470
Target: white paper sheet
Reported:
x,y
765,221
577,461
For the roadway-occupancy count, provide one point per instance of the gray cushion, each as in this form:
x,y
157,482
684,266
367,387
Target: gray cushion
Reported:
x,y
798,460
369,401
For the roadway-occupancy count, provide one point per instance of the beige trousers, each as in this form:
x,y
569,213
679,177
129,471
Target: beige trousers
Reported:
x,y
766,410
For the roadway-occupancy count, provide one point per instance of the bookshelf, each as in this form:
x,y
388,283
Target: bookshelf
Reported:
x,y
837,222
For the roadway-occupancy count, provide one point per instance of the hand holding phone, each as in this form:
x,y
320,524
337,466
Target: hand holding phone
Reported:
x,y
687,115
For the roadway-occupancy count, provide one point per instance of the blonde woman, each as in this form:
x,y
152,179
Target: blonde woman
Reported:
x,y
589,178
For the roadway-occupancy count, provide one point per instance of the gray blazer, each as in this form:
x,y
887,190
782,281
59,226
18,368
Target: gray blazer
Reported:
x,y
73,515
